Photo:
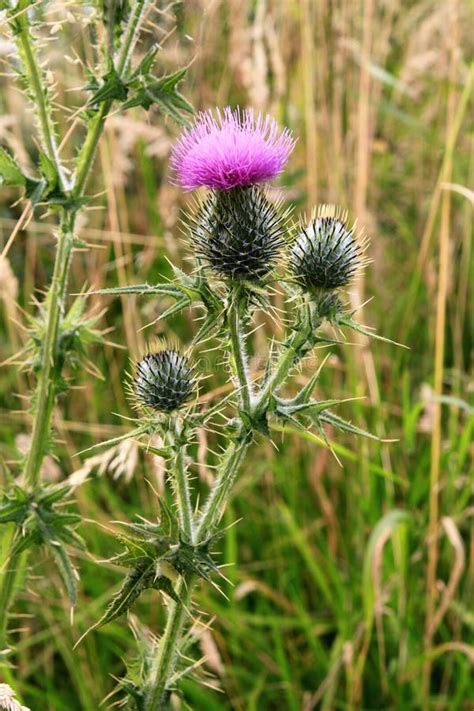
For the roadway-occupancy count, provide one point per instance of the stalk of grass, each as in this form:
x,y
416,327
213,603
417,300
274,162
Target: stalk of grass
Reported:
x,y
440,336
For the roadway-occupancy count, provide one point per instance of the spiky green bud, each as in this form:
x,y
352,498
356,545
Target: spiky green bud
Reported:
x,y
326,253
163,380
239,233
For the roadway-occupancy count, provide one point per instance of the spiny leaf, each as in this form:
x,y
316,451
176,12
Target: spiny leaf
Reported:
x,y
345,320
332,419
146,65
53,494
212,322
162,92
141,289
65,568
142,577
116,440
112,88
10,171
176,307
35,190
134,584
12,511
49,171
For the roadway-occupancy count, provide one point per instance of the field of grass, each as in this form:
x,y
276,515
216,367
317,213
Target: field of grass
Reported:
x,y
351,576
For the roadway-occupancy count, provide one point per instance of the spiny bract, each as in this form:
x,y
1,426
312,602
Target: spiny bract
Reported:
x,y
163,380
239,233
326,254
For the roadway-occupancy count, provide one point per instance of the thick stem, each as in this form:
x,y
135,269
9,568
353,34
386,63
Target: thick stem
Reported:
x,y
46,385
221,489
167,651
87,154
182,485
12,572
292,353
45,392
55,301
39,93
239,351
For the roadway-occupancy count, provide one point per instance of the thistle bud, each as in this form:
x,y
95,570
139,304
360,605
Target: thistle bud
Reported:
x,y
327,253
239,233
163,380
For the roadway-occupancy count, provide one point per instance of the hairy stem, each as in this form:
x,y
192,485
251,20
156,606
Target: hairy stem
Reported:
x,y
182,486
293,350
167,651
54,304
222,487
238,347
38,91
45,389
96,126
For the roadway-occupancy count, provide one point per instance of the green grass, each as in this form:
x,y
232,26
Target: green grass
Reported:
x,y
328,601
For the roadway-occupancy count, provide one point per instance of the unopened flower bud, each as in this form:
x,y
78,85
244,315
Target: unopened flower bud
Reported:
x,y
163,380
239,233
327,253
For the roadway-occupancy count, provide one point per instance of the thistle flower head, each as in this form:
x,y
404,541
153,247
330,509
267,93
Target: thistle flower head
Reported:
x,y
239,233
163,379
327,253
231,149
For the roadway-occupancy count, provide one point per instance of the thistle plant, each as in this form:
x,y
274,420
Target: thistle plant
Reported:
x,y
34,512
244,249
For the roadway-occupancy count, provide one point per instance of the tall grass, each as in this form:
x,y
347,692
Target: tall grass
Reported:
x,y
340,612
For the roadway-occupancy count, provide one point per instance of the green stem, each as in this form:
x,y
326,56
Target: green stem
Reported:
x,y
39,92
55,301
292,353
167,652
45,393
12,570
96,126
222,487
239,352
182,485
46,384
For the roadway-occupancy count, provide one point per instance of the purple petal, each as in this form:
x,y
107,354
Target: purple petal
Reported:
x,y
235,148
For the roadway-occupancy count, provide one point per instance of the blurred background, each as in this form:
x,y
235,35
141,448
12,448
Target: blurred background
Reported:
x,y
330,597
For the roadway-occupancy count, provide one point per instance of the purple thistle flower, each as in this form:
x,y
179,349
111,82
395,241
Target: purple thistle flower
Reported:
x,y
234,149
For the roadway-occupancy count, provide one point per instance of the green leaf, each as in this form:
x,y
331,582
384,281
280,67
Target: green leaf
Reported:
x,y
141,289
65,568
53,494
165,585
164,94
36,190
142,577
49,171
12,511
10,171
135,582
116,440
112,88
146,65
348,321
212,322
176,307
332,419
